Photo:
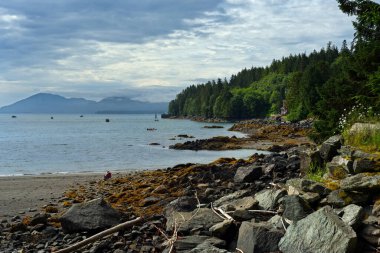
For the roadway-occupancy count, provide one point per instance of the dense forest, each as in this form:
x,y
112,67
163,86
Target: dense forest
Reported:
x,y
323,85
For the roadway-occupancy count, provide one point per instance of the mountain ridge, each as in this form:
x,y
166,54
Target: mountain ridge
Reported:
x,y
53,103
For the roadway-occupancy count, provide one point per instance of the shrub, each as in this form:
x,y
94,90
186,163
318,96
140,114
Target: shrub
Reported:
x,y
360,127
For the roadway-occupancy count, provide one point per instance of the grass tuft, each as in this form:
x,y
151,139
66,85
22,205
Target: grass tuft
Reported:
x,y
365,136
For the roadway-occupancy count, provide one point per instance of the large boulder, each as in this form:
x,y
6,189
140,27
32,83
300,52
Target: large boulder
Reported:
x,y
93,215
186,222
305,185
269,198
340,198
231,197
207,247
330,147
366,165
336,171
295,208
361,182
293,163
222,229
182,204
187,243
370,233
248,174
309,159
352,215
321,231
344,161
258,237
246,203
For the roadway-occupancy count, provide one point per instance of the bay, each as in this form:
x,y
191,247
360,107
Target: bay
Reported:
x,y
68,143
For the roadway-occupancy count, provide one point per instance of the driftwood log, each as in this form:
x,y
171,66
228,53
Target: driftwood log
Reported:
x,y
100,235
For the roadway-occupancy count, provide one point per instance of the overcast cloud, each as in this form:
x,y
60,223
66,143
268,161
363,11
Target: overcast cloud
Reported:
x,y
151,49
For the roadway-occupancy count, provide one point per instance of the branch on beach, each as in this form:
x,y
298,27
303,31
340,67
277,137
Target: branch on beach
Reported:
x,y
98,236
169,242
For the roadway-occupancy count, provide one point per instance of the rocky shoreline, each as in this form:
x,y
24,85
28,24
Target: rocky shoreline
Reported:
x,y
267,135
262,204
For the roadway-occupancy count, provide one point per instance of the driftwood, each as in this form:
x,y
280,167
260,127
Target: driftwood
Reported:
x,y
228,217
97,236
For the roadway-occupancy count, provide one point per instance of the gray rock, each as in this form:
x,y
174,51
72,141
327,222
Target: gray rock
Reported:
x,y
92,215
343,161
221,229
361,182
296,208
336,171
39,218
258,237
119,251
353,215
202,219
242,215
206,247
269,169
337,199
340,198
320,232
370,234
310,158
187,243
311,197
345,151
305,185
230,197
366,165
330,147
182,204
245,203
269,198
247,174
293,163
277,222
361,154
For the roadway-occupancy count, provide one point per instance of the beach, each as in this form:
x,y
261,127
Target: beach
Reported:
x,y
26,195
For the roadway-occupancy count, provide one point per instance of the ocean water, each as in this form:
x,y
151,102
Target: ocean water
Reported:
x,y
37,144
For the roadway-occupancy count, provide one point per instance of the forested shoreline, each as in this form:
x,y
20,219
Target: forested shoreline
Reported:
x,y
329,85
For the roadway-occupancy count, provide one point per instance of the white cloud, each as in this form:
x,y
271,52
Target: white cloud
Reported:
x,y
214,43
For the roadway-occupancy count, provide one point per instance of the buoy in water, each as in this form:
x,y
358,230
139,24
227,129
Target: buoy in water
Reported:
x,y
107,120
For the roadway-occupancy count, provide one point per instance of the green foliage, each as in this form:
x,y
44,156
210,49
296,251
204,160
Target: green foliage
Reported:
x,y
322,84
315,173
367,138
366,135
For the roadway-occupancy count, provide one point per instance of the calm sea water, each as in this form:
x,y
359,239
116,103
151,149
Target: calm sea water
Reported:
x,y
36,144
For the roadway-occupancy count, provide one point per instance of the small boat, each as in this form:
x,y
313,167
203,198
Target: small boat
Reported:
x,y
52,117
107,120
81,116
151,129
155,117
14,116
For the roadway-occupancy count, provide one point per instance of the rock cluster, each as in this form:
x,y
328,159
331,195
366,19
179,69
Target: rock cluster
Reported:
x,y
257,205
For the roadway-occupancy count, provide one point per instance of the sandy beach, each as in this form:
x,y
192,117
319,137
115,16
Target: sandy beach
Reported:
x,y
25,195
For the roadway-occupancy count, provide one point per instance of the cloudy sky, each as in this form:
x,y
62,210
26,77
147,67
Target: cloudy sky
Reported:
x,y
151,49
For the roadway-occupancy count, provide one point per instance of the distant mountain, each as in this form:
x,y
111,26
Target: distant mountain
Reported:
x,y
50,103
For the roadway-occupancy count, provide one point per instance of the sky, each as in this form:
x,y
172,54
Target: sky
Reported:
x,y
151,49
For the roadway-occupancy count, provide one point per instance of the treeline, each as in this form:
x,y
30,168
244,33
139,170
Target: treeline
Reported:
x,y
323,84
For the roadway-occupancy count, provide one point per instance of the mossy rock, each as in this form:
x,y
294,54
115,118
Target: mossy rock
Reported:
x,y
336,171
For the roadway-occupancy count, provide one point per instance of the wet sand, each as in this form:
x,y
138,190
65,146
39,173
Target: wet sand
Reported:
x,y
26,195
